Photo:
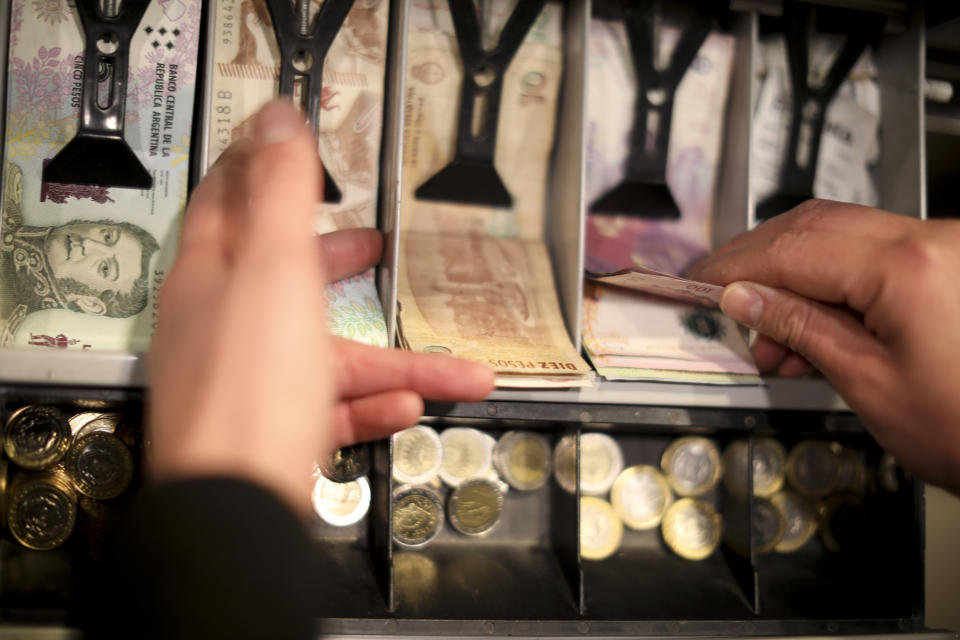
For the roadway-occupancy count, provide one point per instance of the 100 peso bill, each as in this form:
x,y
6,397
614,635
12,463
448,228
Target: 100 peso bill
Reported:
x,y
244,77
80,265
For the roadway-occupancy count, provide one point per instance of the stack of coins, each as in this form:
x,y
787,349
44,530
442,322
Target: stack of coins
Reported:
x,y
463,476
54,462
341,490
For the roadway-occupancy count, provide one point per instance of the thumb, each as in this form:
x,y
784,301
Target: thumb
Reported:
x,y
831,339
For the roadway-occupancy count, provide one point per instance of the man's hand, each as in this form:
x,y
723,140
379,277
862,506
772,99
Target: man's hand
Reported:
x,y
245,380
872,300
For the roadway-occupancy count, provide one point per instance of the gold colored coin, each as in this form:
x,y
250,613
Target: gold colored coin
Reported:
x,y
640,496
417,455
475,507
813,468
522,458
691,465
600,529
99,465
417,516
36,437
42,510
692,528
565,463
800,517
768,525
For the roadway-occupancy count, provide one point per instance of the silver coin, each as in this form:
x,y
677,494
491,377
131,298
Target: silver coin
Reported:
x,y
691,465
341,503
467,454
522,458
417,455
601,461
640,496
800,517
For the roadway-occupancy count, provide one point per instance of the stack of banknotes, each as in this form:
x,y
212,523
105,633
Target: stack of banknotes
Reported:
x,y
849,145
635,336
476,281
244,76
80,265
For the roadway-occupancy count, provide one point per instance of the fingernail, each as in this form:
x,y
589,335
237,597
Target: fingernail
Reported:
x,y
278,121
742,303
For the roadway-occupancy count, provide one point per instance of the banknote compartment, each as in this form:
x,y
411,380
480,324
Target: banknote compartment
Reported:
x,y
524,568
877,573
645,580
899,172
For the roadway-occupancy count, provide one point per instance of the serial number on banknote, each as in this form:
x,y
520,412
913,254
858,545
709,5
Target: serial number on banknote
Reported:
x,y
532,364
229,23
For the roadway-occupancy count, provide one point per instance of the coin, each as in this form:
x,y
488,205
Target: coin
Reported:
x,y
767,524
851,470
522,458
600,529
347,464
341,503
844,522
42,510
800,518
812,468
735,462
417,455
640,495
36,437
565,463
600,463
692,528
417,516
475,506
414,578
467,453
691,465
99,465
77,420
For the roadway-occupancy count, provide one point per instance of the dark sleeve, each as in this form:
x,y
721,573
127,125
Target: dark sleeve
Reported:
x,y
206,558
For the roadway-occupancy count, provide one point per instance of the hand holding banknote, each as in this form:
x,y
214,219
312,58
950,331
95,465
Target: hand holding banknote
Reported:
x,y
871,299
245,380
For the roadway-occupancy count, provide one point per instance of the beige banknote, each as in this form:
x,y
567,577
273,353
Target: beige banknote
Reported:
x,y
476,281
244,76
80,265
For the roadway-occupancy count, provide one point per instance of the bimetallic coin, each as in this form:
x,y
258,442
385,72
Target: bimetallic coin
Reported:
x,y
341,503
812,468
99,465
36,437
692,528
601,461
600,529
41,511
522,458
347,464
769,466
417,516
640,496
90,421
565,463
77,420
767,524
475,506
691,465
467,454
800,518
851,470
417,455
844,522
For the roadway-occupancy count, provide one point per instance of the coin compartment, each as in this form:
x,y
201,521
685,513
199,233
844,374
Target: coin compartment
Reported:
x,y
878,574
645,580
523,568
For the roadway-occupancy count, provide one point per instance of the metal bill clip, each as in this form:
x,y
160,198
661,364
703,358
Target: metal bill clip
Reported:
x,y
470,177
809,104
643,190
98,153
303,49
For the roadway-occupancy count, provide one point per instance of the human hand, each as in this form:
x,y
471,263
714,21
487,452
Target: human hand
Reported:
x,y
872,300
245,381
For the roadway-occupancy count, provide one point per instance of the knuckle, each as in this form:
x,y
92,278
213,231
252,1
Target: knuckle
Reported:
x,y
918,257
791,325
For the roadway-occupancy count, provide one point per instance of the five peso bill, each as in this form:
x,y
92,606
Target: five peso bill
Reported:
x,y
244,76
629,334
80,265
475,280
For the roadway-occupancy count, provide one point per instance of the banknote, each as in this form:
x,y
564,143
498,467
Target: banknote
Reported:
x,y
476,280
80,265
628,333
244,76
